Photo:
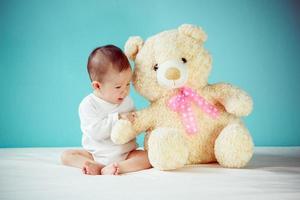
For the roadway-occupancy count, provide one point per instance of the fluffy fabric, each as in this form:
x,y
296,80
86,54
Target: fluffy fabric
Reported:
x,y
186,63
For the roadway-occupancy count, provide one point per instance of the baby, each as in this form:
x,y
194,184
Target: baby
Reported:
x,y
110,74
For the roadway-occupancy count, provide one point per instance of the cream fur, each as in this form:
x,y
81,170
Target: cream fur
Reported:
x,y
225,139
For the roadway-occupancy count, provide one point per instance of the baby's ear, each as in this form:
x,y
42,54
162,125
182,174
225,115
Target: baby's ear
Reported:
x,y
133,46
195,32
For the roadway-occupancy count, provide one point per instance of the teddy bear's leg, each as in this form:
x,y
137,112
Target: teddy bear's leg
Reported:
x,y
167,149
234,146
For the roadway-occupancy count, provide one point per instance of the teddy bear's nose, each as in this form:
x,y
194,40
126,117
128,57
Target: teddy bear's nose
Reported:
x,y
172,73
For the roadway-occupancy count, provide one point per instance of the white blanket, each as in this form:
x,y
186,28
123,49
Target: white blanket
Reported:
x,y
36,173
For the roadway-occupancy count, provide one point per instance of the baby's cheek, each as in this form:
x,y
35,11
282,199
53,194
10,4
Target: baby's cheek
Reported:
x,y
117,94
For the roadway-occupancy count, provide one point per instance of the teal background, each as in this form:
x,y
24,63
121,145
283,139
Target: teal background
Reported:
x,y
44,47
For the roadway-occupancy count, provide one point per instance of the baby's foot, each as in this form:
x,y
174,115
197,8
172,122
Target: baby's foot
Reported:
x,y
112,169
92,168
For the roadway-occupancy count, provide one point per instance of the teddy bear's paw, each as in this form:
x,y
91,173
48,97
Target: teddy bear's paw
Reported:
x,y
122,132
234,146
239,105
167,149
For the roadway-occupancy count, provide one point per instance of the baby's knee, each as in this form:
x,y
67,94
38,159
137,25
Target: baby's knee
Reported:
x,y
65,156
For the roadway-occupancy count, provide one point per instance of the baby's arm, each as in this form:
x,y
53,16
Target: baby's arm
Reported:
x,y
95,125
130,116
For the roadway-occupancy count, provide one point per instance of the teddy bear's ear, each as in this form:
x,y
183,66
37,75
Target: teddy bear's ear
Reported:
x,y
193,31
133,46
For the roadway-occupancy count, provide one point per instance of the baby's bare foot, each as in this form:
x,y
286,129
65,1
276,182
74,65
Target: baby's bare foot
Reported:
x,y
92,168
112,169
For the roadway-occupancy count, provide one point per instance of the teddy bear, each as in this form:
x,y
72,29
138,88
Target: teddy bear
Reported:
x,y
188,120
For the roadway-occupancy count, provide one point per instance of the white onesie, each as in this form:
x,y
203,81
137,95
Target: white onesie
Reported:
x,y
97,118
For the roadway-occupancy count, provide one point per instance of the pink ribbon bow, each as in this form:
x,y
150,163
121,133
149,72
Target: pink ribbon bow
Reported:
x,y
181,103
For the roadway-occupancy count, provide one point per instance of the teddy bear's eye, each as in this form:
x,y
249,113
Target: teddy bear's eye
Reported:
x,y
155,67
183,60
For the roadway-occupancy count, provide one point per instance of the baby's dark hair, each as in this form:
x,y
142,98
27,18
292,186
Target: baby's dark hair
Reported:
x,y
104,58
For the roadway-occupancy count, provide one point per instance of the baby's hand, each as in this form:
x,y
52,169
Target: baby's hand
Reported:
x,y
130,116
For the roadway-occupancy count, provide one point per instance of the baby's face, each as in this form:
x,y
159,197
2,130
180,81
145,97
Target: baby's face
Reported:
x,y
115,86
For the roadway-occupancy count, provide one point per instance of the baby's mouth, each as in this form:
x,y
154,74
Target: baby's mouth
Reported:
x,y
120,99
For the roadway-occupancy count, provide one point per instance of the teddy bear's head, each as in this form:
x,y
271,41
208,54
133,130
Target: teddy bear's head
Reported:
x,y
169,60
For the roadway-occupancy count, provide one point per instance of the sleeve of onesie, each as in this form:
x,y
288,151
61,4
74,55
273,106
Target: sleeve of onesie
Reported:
x,y
95,126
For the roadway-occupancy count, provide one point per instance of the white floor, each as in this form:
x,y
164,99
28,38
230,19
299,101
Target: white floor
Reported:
x,y
35,173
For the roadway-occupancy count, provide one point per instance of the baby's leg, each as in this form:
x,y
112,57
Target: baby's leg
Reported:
x,y
81,159
111,169
76,158
136,160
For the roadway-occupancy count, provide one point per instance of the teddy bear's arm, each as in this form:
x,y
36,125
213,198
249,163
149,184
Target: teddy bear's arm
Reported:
x,y
234,100
124,131
143,120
